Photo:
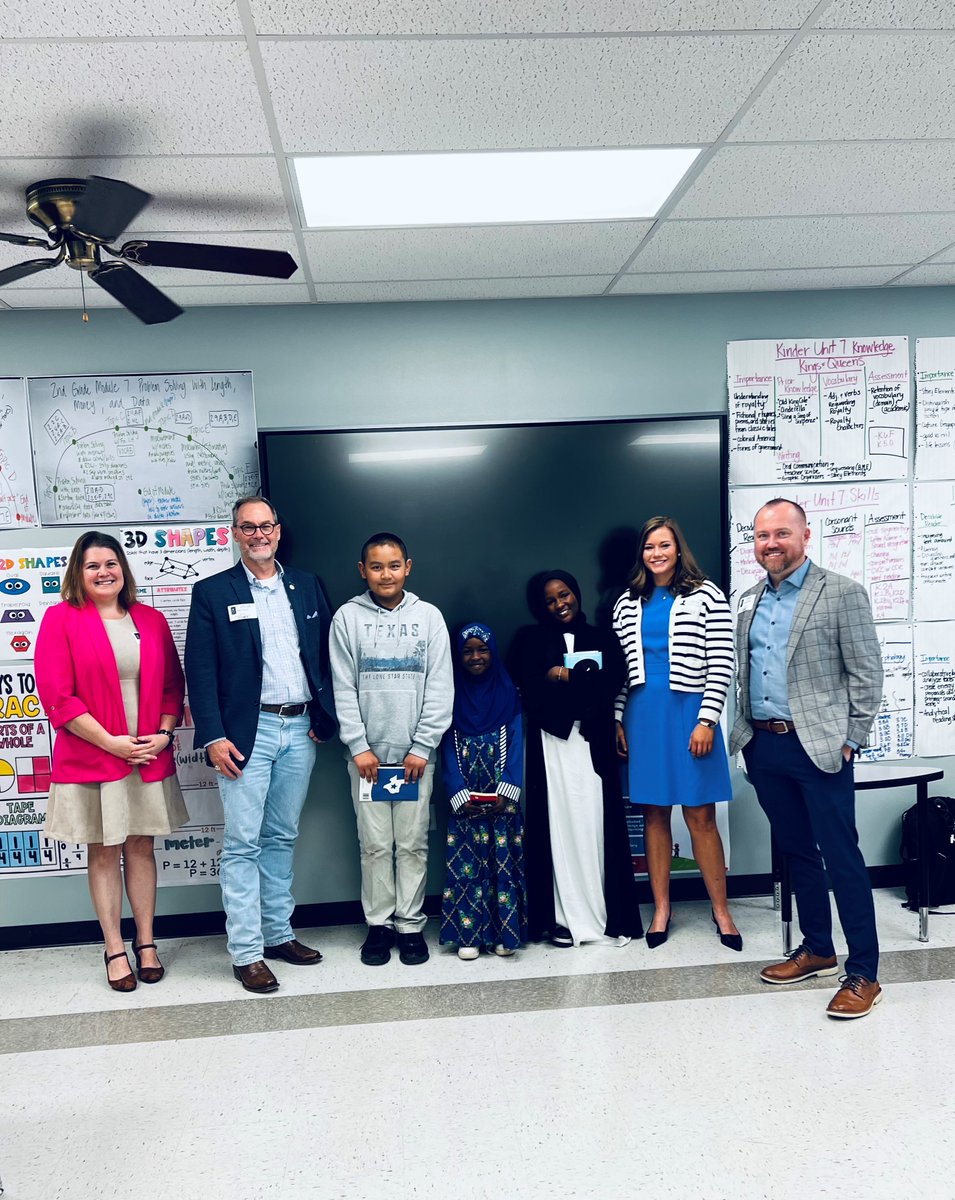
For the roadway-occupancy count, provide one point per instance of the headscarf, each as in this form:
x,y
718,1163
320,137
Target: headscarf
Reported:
x,y
482,702
538,605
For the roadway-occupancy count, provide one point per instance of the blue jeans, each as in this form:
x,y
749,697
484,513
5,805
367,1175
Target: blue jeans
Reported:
x,y
262,808
812,815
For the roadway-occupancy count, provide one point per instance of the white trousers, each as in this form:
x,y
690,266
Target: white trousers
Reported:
x,y
393,839
575,814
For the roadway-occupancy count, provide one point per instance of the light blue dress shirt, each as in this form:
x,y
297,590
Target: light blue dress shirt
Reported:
x,y
768,639
283,677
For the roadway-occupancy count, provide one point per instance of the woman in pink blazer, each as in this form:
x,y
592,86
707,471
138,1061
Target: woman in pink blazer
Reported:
x,y
109,677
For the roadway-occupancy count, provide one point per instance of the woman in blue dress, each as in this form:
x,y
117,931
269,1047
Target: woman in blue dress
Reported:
x,y
675,628
482,762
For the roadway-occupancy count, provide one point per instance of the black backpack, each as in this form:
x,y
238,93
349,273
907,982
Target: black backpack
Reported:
x,y
941,847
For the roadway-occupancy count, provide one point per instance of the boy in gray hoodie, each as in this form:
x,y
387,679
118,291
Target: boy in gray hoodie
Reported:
x,y
391,670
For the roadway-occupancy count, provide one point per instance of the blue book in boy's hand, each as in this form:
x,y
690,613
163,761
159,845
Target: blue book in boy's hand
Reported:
x,y
391,786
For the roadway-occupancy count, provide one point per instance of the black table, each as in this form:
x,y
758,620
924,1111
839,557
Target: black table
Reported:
x,y
870,777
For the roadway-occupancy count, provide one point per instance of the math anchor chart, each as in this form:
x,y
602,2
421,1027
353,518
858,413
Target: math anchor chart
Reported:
x,y
824,409
114,449
18,508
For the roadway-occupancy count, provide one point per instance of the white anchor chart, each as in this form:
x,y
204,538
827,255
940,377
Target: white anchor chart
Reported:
x,y
111,449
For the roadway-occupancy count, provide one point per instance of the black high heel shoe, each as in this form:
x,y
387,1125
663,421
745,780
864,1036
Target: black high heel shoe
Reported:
x,y
732,941
657,939
147,974
128,982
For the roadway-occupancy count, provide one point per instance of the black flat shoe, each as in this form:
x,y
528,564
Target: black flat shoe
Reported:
x,y
128,982
147,974
657,939
732,941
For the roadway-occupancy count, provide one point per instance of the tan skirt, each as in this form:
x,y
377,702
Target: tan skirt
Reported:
x,y
111,812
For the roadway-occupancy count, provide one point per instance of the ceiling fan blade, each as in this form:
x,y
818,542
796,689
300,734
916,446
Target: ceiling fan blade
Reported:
x,y
196,256
135,293
107,206
30,267
18,239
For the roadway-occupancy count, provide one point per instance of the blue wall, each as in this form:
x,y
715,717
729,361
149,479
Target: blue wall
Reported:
x,y
434,363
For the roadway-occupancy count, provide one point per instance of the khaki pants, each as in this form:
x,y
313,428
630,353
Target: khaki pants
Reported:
x,y
393,838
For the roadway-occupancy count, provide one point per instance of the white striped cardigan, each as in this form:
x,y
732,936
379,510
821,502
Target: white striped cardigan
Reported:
x,y
700,645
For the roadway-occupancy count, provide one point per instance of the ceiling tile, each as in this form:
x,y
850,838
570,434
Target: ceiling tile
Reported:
x,y
481,252
496,94
372,18
65,297
120,18
888,14
907,90
831,177
929,275
462,289
754,281
240,293
112,98
774,243
188,193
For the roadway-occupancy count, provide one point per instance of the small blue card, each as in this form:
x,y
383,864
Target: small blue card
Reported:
x,y
391,786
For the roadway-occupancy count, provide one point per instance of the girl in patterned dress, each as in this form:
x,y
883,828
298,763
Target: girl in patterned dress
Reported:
x,y
482,758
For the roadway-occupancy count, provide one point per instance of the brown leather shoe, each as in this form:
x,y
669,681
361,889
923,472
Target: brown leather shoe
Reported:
x,y
856,998
256,977
801,964
294,952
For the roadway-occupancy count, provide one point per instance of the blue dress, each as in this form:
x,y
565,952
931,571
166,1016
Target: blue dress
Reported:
x,y
658,723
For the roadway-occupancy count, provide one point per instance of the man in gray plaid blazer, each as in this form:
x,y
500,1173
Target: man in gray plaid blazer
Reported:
x,y
809,684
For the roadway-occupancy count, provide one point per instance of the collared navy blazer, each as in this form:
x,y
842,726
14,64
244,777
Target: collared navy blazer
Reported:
x,y
223,658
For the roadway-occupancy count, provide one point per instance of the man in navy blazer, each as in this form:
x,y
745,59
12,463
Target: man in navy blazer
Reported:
x,y
261,701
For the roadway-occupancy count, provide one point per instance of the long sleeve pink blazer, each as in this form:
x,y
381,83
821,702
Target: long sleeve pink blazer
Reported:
x,y
76,673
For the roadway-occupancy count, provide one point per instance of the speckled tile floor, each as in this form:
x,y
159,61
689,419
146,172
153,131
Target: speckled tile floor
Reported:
x,y
597,1072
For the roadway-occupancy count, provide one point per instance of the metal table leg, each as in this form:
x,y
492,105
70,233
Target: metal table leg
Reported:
x,y
921,833
782,894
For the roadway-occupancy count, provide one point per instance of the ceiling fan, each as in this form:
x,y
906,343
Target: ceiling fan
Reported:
x,y
79,218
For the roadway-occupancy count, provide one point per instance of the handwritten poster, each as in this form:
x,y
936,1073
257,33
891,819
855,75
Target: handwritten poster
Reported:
x,y
935,688
893,732
934,550
113,449
819,409
18,508
165,560
935,408
861,530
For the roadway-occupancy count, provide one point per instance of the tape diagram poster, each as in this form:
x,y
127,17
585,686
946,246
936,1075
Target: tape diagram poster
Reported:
x,y
819,409
18,507
111,449
166,560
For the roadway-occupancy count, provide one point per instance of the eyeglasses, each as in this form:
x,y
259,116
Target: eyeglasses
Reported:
x,y
247,528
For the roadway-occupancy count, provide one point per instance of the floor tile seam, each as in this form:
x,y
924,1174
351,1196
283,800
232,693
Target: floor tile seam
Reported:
x,y
433,1002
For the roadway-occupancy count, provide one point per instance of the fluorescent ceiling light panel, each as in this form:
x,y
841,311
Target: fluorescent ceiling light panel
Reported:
x,y
373,190
403,456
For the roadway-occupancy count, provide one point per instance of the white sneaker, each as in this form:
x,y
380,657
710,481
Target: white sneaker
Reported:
x,y
502,951
468,952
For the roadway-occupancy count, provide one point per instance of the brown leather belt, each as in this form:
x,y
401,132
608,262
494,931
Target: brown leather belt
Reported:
x,y
284,710
778,725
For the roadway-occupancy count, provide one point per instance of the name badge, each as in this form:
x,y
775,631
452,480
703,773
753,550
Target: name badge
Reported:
x,y
746,603
242,612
